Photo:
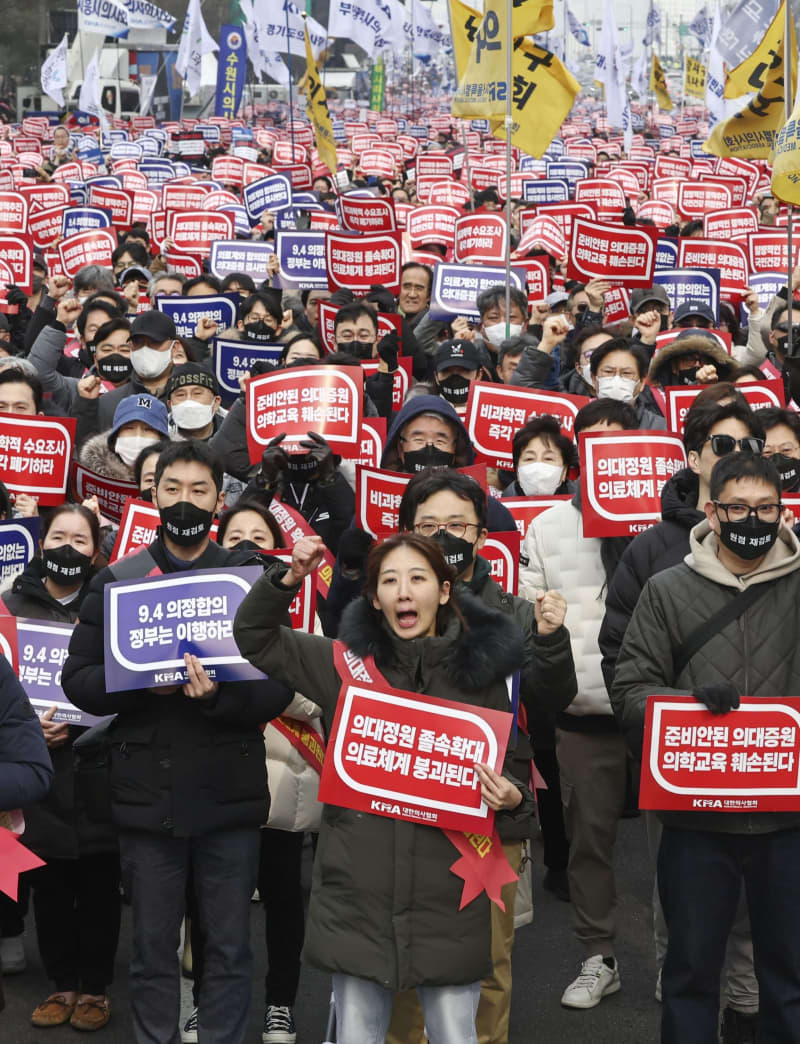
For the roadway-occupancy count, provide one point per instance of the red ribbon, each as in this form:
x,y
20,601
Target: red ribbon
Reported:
x,y
15,859
483,865
304,739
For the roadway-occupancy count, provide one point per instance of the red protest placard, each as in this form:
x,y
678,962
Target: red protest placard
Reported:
x,y
373,438
432,224
564,214
657,211
401,378
525,509
409,756
34,455
45,226
769,251
193,231
367,215
672,167
616,305
44,196
622,475
537,277
501,551
622,255
294,527
496,411
229,170
480,237
111,495
696,198
118,202
9,645
606,194
327,400
729,258
450,193
733,223
759,394
17,253
357,262
13,212
745,761
542,232
179,196
92,247
378,496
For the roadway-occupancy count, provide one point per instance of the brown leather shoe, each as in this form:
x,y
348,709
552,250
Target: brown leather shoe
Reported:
x,y
55,1011
91,1014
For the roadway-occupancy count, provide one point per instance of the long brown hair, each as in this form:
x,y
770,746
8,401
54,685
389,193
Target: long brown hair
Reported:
x,y
432,553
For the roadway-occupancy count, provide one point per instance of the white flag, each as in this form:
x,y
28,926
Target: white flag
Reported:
x,y
363,22
276,69
195,42
429,39
281,29
144,15
608,68
718,107
54,72
640,77
102,16
252,37
89,100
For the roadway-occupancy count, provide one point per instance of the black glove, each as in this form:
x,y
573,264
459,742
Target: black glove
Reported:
x,y
322,456
720,697
389,349
274,461
15,296
354,546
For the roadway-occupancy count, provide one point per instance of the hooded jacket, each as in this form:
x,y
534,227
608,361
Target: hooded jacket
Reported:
x,y
758,653
710,351
97,455
384,904
660,547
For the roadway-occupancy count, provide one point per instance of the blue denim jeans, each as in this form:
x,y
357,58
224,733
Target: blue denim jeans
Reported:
x,y
364,1011
700,876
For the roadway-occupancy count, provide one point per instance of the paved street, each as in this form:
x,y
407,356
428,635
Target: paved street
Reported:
x,y
545,960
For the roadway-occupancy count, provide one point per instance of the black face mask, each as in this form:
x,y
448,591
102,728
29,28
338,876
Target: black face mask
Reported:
x,y
788,469
65,565
686,376
301,467
458,553
115,368
185,523
260,331
146,494
360,349
791,376
455,389
38,283
429,457
86,357
749,539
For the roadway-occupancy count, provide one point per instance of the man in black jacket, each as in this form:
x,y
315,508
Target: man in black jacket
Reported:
x,y
188,777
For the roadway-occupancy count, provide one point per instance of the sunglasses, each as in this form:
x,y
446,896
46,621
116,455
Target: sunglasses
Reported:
x,y
722,445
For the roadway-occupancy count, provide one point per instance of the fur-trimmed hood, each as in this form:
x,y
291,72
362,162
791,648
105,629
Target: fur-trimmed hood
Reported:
x,y
490,649
711,350
96,455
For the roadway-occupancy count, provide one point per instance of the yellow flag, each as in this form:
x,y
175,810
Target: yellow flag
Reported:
x,y
318,110
751,74
658,84
752,132
694,83
482,90
465,22
541,99
786,161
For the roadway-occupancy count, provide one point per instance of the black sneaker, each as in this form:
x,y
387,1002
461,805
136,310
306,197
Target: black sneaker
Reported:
x,y
738,1027
279,1025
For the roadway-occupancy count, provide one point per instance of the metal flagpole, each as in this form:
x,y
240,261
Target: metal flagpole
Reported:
x,y
508,122
683,87
789,101
289,63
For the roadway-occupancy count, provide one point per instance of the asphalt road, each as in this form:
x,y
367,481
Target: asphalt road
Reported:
x,y
546,959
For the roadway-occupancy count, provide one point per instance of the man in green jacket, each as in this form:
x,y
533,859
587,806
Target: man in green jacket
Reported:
x,y
705,857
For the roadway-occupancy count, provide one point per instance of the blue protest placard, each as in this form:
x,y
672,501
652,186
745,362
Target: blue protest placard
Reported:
x,y
691,284
570,171
301,256
42,649
210,131
78,192
234,360
766,285
231,255
81,219
286,219
157,171
666,254
151,146
186,312
268,193
152,622
546,190
556,149
231,70
241,222
19,539
456,287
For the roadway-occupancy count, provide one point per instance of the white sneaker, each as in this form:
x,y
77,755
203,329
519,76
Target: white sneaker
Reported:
x,y
12,955
189,1030
595,981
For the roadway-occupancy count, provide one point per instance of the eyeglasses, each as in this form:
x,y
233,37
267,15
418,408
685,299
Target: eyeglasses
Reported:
x,y
455,529
629,375
742,512
721,445
440,442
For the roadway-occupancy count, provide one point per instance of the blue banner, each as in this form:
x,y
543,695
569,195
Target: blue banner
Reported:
x,y
766,285
234,360
301,256
19,539
153,622
81,219
666,254
571,171
268,193
456,288
42,648
691,284
231,71
186,312
545,190
228,255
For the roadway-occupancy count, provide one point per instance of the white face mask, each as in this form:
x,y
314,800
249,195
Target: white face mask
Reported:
x,y
128,447
496,334
149,362
539,479
620,388
586,372
192,415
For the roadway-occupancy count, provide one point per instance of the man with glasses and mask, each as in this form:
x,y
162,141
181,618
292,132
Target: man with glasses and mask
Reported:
x,y
741,552
782,444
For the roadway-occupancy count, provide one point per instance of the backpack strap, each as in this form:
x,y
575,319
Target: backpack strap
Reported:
x,y
731,611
